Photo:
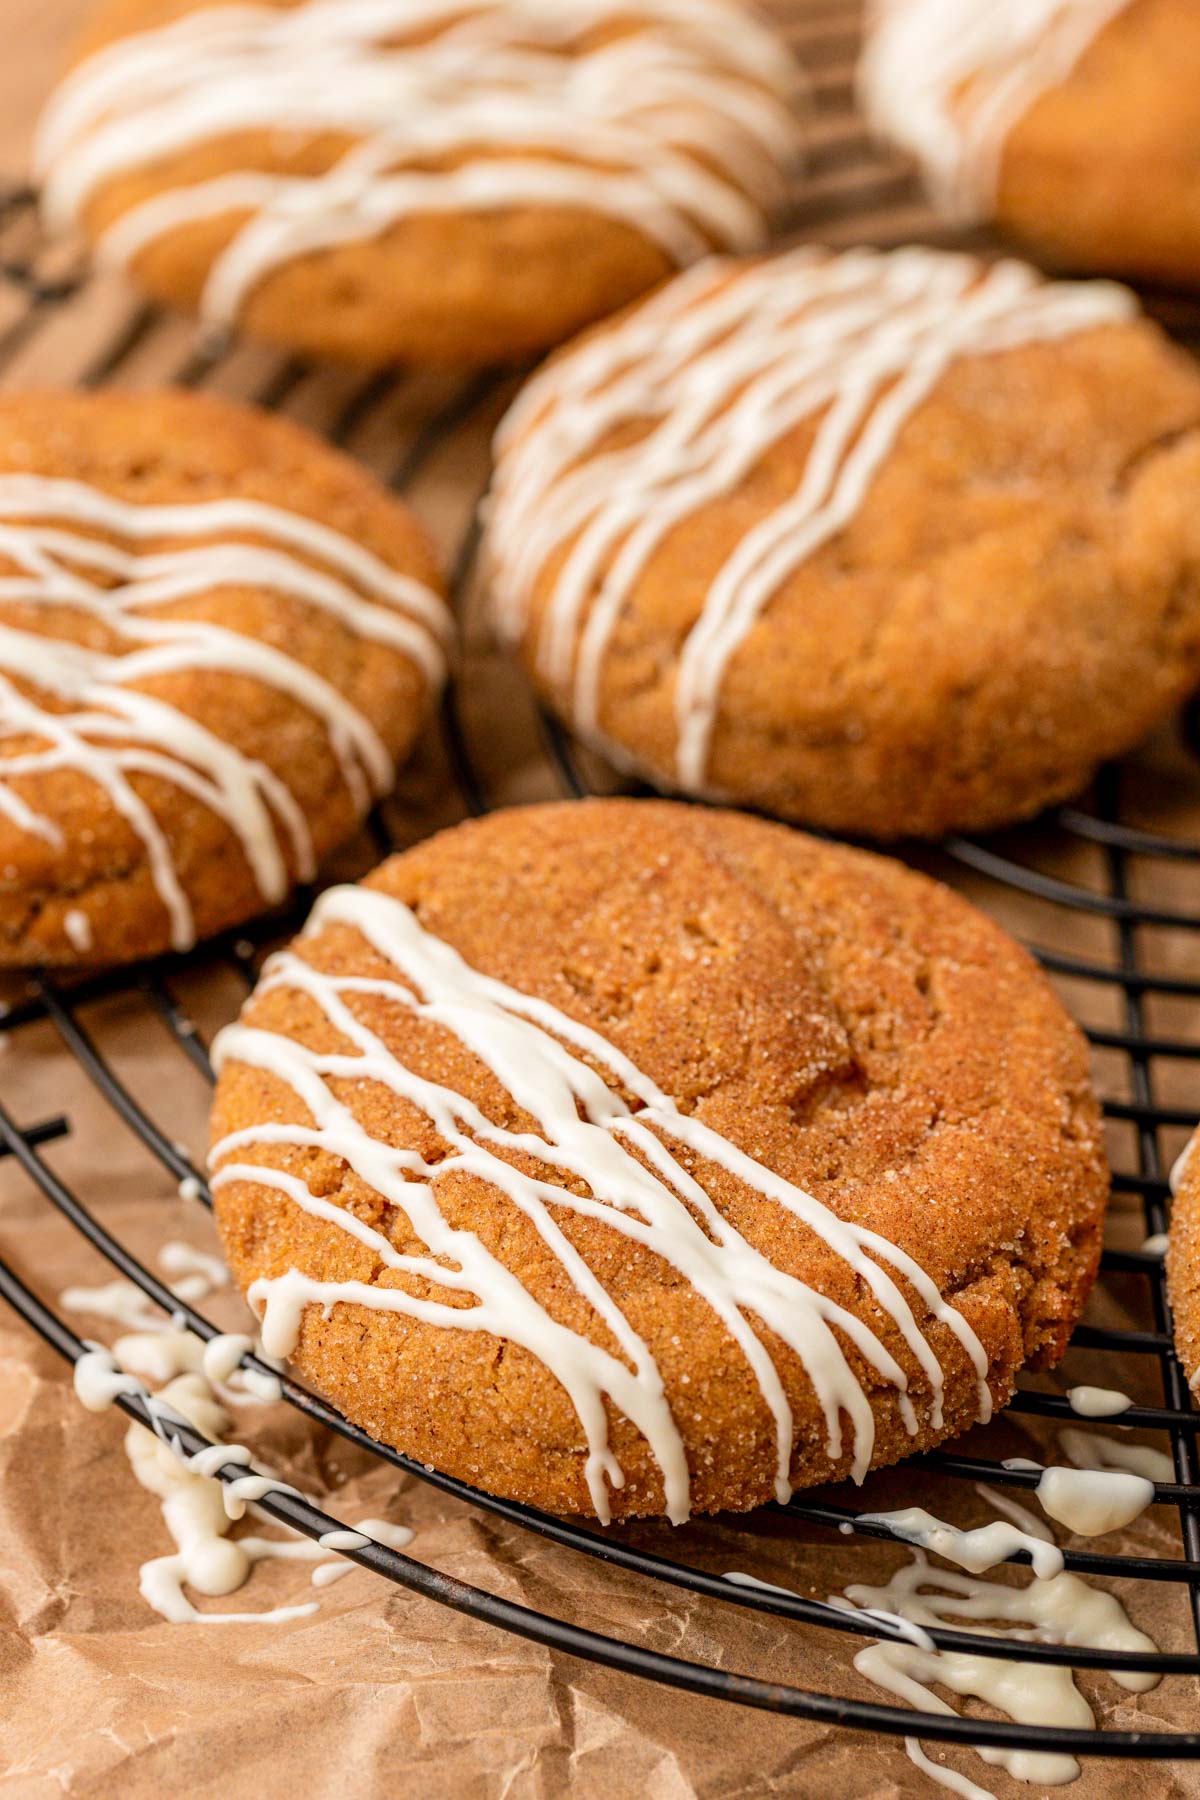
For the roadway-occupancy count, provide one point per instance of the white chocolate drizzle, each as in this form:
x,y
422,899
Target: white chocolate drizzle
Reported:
x,y
1178,1170
120,1301
637,1166
100,722
705,378
1014,1512
196,1512
1061,1610
1092,1502
161,1348
904,1628
975,1550
198,1509
1092,1450
949,79
673,117
160,1356
197,1275
1098,1402
1055,1607
183,1260
396,1537
78,928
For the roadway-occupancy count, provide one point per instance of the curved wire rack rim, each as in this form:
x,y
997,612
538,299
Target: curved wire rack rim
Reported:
x,y
558,1634
572,1536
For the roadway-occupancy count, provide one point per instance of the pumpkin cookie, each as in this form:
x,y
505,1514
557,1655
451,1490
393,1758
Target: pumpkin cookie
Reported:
x,y
890,543
622,1157
1183,1261
1071,124
217,637
461,181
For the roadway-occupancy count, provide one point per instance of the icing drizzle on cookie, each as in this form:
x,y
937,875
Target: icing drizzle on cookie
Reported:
x,y
676,114
82,708
598,1121
948,79
618,444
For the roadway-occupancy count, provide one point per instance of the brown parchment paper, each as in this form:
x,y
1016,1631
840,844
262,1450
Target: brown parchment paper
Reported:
x,y
381,1693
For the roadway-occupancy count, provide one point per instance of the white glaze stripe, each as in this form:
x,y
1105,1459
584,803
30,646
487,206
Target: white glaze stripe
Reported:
x,y
709,376
107,729
679,124
587,1131
949,79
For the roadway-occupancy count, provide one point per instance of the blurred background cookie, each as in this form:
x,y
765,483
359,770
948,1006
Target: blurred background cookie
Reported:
x,y
217,636
1072,124
622,1156
446,182
893,544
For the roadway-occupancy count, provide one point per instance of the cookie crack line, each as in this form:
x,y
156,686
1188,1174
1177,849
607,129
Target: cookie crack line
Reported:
x,y
676,111
105,727
583,1129
712,372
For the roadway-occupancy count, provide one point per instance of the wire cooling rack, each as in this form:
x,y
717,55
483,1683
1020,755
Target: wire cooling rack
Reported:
x,y
1093,873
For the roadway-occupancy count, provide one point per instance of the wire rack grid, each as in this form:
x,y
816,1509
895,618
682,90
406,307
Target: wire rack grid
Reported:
x,y
1095,871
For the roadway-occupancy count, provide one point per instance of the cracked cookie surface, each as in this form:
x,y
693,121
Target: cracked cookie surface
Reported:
x,y
819,1017
889,544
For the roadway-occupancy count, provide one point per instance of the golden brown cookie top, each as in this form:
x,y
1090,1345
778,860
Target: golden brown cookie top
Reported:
x,y
216,637
623,1142
274,135
852,537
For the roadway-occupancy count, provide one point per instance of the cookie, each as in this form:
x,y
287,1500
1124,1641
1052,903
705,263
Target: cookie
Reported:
x,y
459,181
1071,124
217,638
1183,1262
622,1157
889,543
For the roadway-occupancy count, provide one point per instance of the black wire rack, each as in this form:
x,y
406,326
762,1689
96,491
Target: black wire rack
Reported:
x,y
1095,870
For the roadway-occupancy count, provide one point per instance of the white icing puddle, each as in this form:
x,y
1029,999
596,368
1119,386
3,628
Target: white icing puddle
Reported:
x,y
201,1381
1061,1610
160,1348
1098,1402
1111,1483
1055,1607
1092,1502
198,1509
